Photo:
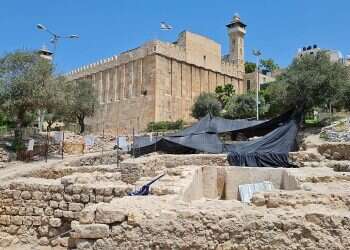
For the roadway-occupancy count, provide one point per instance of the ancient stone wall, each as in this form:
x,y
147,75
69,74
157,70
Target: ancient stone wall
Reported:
x,y
45,208
133,169
222,226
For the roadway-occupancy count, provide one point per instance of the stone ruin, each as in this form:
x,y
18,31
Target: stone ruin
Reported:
x,y
196,205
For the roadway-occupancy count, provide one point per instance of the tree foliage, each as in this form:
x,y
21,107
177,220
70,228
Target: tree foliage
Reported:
x,y
81,101
55,104
204,104
249,67
275,96
314,81
23,77
268,65
244,106
224,92
165,126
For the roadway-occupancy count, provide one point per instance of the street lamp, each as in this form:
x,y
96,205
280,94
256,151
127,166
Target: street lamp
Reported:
x,y
257,53
55,37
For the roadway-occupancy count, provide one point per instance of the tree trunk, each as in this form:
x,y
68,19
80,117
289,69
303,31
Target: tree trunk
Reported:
x,y
49,124
81,124
18,137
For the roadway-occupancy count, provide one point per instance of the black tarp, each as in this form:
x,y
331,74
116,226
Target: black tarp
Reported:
x,y
216,125
270,150
209,143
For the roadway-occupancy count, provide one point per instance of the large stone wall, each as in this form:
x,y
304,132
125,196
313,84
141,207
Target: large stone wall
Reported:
x,y
180,83
155,82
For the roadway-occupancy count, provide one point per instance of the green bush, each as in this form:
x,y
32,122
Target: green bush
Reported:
x,y
204,104
164,126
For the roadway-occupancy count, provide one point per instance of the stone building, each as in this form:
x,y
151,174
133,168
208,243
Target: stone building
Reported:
x,y
159,81
251,79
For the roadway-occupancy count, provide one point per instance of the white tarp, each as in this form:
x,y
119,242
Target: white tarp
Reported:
x,y
58,136
89,140
246,191
122,142
31,145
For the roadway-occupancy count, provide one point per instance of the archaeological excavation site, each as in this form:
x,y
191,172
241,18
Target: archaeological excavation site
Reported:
x,y
183,200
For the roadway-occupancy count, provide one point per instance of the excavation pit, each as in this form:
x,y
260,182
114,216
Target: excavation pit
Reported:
x,y
223,182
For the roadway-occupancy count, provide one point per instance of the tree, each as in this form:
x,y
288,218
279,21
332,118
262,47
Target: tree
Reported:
x,y
275,96
55,105
224,92
268,65
314,81
204,104
81,101
244,106
23,75
249,67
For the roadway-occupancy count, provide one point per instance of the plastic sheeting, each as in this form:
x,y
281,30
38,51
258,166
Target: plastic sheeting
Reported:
x,y
216,125
270,150
246,191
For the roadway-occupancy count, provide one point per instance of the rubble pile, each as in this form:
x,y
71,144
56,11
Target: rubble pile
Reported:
x,y
4,155
337,132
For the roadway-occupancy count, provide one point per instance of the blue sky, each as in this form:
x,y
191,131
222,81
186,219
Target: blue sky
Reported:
x,y
108,27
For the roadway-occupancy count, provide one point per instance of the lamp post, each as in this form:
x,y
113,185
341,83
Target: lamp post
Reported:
x,y
257,53
50,55
55,37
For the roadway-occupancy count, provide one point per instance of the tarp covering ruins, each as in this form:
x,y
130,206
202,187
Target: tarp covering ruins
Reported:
x,y
270,150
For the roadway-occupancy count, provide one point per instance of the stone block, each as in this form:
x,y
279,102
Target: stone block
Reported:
x,y
49,211
54,204
91,231
36,220
75,207
55,222
44,241
67,197
68,214
87,215
58,213
63,205
27,220
76,197
84,198
108,214
38,211
43,230
29,210
26,195
5,220
99,198
12,229
57,197
37,195
17,220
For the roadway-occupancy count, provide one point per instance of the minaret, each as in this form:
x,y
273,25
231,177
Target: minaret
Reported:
x,y
236,31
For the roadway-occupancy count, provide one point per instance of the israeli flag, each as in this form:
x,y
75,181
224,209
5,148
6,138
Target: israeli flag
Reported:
x,y
165,26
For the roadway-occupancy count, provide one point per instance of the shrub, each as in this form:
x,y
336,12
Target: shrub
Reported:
x,y
206,103
164,126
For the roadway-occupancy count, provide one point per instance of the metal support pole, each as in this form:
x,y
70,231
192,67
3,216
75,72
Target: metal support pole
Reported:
x,y
117,149
257,88
133,142
103,136
47,144
62,144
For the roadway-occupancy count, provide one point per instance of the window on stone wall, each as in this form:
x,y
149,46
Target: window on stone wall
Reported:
x,y
248,84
